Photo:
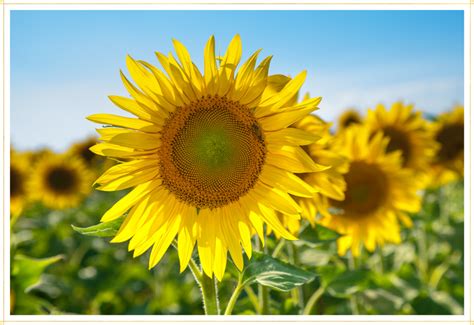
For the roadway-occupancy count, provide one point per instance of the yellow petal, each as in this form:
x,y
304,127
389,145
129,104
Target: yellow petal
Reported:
x,y
287,117
125,203
162,245
125,122
291,136
286,181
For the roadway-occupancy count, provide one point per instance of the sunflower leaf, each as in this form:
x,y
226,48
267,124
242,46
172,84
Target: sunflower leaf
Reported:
x,y
273,273
104,229
27,271
314,236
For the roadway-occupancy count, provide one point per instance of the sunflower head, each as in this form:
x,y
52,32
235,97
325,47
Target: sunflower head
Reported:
x,y
81,150
329,183
407,132
349,117
19,174
210,156
448,131
59,181
378,194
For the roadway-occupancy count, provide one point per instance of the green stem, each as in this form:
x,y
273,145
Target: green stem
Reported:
x,y
233,298
207,285
278,247
209,295
353,299
312,301
263,298
253,298
296,293
263,294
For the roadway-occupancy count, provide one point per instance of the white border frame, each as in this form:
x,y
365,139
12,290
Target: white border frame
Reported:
x,y
8,6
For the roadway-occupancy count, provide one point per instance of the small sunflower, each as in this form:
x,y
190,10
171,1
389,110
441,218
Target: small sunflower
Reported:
x,y
19,173
60,181
349,117
379,192
406,130
212,158
448,131
81,150
94,162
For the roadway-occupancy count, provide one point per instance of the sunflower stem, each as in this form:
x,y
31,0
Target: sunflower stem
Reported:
x,y
235,295
209,295
296,293
312,301
278,247
253,298
353,299
263,294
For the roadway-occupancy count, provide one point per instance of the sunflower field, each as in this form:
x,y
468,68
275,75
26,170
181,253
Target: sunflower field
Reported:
x,y
227,194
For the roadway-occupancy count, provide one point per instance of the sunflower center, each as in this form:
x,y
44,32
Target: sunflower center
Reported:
x,y
61,180
212,152
366,189
85,153
399,141
16,182
351,119
451,138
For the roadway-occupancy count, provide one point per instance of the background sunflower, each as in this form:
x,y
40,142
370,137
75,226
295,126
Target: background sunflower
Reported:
x,y
59,181
448,131
379,192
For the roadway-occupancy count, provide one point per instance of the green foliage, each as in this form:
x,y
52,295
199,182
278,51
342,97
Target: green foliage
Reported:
x,y
314,236
105,229
273,273
86,274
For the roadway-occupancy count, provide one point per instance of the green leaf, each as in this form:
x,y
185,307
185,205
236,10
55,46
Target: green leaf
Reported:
x,y
273,273
348,283
26,271
314,236
104,229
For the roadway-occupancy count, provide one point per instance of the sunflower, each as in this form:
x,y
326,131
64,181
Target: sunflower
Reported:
x,y
448,131
379,192
94,162
212,158
407,132
349,117
330,183
60,181
19,172
81,150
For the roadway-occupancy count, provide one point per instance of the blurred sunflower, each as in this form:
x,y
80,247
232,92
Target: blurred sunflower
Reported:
x,y
448,131
379,192
407,132
60,181
347,118
330,183
94,162
211,156
81,150
19,173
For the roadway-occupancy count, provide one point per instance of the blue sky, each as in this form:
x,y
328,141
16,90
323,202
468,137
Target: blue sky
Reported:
x,y
64,64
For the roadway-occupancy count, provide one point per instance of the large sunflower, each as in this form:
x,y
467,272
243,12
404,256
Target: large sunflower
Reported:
x,y
448,131
379,192
349,117
19,173
60,181
211,157
406,130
